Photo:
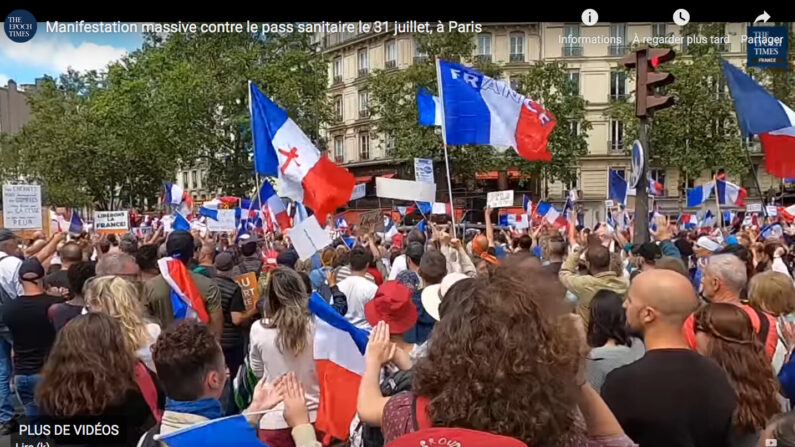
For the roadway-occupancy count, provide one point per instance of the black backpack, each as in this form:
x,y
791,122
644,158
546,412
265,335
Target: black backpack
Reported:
x,y
148,439
392,384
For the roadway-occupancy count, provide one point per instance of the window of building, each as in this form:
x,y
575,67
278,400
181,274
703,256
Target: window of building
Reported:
x,y
574,78
364,103
574,128
484,44
571,45
517,47
390,54
658,175
390,145
658,30
618,85
194,179
364,62
618,39
185,180
616,135
364,146
338,108
339,149
419,56
337,69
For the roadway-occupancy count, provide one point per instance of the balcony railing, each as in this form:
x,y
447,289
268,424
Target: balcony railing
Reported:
x,y
618,50
364,113
390,64
420,59
364,155
483,58
363,72
618,96
338,159
337,80
616,145
517,57
572,51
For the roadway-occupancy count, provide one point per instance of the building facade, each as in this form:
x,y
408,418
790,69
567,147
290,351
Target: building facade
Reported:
x,y
14,110
193,180
595,67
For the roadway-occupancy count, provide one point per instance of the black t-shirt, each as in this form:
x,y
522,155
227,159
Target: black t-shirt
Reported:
x,y
31,331
58,279
60,314
231,301
672,397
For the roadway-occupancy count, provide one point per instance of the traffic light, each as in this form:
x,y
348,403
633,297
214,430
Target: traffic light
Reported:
x,y
646,60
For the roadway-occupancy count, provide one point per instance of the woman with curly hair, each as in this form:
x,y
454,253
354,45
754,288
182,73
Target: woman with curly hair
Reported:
x,y
510,363
121,299
282,342
724,334
91,372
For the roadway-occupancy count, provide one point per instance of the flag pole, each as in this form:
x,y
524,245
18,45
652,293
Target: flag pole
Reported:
x,y
444,144
254,147
753,172
717,202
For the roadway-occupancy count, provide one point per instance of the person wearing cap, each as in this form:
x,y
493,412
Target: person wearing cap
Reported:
x,y
646,254
401,262
32,333
703,249
158,292
251,261
392,304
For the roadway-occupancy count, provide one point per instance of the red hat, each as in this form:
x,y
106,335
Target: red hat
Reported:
x,y
397,240
461,437
393,305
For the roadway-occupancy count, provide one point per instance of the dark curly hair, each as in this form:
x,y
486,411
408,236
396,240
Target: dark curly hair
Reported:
x,y
183,354
735,347
506,362
89,368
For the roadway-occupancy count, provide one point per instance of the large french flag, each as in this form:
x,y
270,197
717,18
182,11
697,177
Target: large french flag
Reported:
x,y
186,300
617,187
339,359
429,108
478,109
729,193
175,195
760,113
698,195
282,150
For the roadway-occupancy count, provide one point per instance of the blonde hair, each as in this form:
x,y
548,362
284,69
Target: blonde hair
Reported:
x,y
120,299
774,292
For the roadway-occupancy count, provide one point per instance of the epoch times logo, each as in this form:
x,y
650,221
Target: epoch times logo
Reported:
x,y
20,26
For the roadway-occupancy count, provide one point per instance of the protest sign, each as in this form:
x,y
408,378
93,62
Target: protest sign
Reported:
x,y
248,285
22,207
107,222
608,203
499,199
439,208
772,211
359,191
423,170
226,222
308,237
389,188
754,207
371,222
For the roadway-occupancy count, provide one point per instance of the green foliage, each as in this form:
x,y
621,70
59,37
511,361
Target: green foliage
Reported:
x,y
393,101
700,131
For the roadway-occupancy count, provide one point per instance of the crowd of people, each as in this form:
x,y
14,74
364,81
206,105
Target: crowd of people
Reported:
x,y
555,335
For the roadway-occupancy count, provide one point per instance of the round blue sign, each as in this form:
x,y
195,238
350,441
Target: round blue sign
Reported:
x,y
637,164
20,26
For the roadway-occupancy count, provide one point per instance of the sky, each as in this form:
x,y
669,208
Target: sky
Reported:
x,y
52,53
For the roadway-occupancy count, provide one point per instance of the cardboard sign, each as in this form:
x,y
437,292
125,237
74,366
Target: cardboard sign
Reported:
x,y
22,207
359,191
772,211
226,222
308,237
390,188
754,208
107,222
499,199
423,170
371,222
608,203
248,284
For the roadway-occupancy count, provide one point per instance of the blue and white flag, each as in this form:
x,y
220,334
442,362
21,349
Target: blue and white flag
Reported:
x,y
75,223
617,187
429,108
180,223
232,430
698,195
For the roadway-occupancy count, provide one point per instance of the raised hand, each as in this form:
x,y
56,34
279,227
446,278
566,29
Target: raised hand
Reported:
x,y
379,349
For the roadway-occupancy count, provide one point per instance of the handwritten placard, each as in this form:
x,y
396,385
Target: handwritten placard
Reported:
x,y
248,284
226,221
772,211
111,221
608,203
499,199
22,207
754,207
309,237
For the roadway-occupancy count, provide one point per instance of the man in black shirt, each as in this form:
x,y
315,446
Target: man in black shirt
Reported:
x,y
672,396
31,332
57,283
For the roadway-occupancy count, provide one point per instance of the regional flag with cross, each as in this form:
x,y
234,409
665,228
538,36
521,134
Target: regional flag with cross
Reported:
x,y
282,150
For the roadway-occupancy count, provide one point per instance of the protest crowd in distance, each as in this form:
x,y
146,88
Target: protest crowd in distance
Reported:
x,y
273,320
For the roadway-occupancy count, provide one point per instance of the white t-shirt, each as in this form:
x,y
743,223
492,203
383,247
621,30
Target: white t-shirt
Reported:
x,y
398,266
9,275
359,292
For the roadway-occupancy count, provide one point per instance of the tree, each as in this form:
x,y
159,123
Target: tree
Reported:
x,y
393,102
700,131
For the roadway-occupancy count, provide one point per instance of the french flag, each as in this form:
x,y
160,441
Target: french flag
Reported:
x,y
478,109
175,195
730,193
617,187
339,359
429,108
527,204
282,150
270,200
186,300
689,220
214,432
698,195
209,209
787,213
655,188
341,224
75,223
760,113
548,212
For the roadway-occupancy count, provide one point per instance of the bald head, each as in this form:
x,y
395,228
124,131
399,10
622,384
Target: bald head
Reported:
x,y
660,296
71,252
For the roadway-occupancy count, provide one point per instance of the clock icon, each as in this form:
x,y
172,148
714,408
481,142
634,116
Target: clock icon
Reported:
x,y
681,17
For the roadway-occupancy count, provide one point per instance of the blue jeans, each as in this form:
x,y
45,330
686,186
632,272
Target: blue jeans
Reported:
x,y
25,387
6,368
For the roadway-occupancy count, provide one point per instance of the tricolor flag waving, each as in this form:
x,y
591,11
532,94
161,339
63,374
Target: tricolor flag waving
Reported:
x,y
186,300
282,150
478,109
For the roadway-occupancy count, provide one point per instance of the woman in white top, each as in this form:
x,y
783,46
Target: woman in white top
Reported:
x,y
281,343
